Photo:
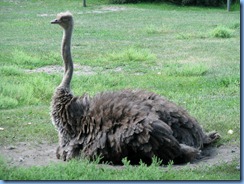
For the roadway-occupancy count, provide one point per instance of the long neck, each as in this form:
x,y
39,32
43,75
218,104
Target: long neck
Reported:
x,y
67,58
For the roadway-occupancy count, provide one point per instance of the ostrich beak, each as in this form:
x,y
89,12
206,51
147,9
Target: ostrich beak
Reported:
x,y
55,21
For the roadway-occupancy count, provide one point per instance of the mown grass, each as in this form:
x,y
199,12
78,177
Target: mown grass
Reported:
x,y
178,52
85,170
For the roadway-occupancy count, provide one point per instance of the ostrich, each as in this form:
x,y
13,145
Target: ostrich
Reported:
x,y
136,124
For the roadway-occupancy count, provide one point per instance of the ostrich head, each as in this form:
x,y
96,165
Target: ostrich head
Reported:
x,y
64,19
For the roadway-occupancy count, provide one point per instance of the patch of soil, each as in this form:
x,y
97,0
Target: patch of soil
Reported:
x,y
29,154
78,70
33,154
54,69
214,156
105,9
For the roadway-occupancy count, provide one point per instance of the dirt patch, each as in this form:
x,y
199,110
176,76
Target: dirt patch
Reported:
x,y
214,156
29,154
46,15
104,9
33,154
78,70
55,69
113,8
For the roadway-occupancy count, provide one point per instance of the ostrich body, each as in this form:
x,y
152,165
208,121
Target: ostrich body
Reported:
x,y
130,123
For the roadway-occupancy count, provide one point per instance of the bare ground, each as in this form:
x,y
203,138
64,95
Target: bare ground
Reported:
x,y
33,154
99,10
79,70
55,69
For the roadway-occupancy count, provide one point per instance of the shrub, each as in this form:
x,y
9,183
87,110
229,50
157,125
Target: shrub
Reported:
x,y
179,2
222,32
199,2
123,1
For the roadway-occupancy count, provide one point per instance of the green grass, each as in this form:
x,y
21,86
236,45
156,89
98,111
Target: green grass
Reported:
x,y
85,170
191,55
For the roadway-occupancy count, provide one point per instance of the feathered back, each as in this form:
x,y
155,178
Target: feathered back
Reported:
x,y
133,124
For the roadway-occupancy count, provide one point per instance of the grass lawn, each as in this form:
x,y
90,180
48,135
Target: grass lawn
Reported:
x,y
191,55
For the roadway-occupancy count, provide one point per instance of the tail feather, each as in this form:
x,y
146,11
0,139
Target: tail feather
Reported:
x,y
165,146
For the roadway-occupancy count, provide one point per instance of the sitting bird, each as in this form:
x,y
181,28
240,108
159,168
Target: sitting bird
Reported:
x,y
136,124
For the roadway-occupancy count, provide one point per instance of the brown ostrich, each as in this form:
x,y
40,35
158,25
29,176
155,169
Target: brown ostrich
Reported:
x,y
130,123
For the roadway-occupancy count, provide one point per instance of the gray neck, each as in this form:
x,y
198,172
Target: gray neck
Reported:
x,y
67,58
